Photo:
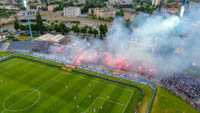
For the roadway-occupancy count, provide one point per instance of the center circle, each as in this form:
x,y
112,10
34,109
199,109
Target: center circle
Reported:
x,y
12,102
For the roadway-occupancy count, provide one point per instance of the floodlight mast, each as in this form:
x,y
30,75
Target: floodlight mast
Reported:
x,y
27,13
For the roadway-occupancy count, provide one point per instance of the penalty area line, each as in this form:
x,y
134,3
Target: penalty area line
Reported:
x,y
132,93
90,105
111,101
53,78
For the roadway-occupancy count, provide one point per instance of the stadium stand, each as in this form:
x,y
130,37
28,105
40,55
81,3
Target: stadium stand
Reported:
x,y
43,47
1,43
184,86
5,46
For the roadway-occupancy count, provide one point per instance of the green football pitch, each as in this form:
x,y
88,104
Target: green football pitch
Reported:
x,y
32,87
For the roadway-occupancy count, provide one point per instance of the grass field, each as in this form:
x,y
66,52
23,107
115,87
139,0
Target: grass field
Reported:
x,y
166,102
32,87
25,37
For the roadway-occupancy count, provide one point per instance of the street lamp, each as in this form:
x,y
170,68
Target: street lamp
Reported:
x,y
27,13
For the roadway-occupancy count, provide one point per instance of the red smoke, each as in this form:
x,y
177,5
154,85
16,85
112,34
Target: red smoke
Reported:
x,y
107,59
59,49
140,68
114,61
150,70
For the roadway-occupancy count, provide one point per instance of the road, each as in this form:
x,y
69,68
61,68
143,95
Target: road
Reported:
x,y
58,16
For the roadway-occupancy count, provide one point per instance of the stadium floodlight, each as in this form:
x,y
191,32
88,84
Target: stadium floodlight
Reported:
x,y
25,3
182,11
27,13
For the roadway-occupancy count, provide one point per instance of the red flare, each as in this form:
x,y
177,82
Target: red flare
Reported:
x,y
140,68
150,70
59,49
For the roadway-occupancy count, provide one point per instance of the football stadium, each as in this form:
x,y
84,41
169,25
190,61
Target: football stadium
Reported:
x,y
52,88
150,64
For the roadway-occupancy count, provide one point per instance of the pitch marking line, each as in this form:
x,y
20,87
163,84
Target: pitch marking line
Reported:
x,y
5,68
13,65
6,62
128,101
112,101
42,66
10,66
8,108
10,61
90,105
104,100
53,78
83,77
80,76
10,70
32,92
101,82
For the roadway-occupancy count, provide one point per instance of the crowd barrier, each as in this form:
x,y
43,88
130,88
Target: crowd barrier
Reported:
x,y
89,69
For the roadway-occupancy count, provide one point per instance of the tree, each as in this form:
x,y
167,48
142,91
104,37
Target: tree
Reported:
x,y
11,37
90,31
120,12
92,12
71,3
67,30
90,5
105,28
52,25
18,1
64,29
39,23
76,29
86,26
96,32
16,23
33,27
57,28
46,2
23,27
49,28
33,7
101,31
85,9
84,30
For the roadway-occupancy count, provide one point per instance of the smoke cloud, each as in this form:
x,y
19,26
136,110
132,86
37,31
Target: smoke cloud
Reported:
x,y
160,44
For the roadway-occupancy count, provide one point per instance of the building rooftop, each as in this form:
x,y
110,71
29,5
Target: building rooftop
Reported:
x,y
50,38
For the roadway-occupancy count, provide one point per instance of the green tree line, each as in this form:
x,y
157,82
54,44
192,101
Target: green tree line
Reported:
x,y
61,28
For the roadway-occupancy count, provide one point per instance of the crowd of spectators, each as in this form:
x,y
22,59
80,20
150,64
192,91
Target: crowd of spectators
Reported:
x,y
43,47
184,86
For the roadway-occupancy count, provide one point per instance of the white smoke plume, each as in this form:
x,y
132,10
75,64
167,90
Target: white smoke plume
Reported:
x,y
159,43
